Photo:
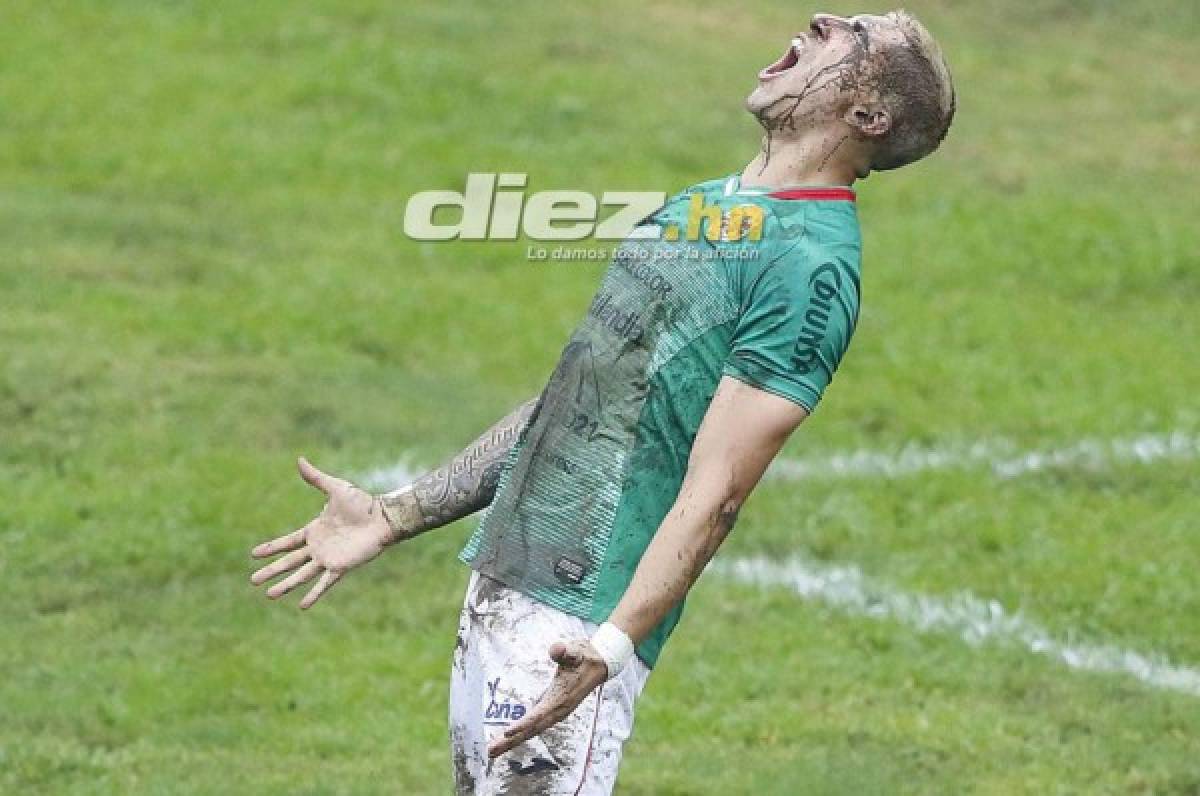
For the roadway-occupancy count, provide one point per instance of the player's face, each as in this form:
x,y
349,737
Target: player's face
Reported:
x,y
823,70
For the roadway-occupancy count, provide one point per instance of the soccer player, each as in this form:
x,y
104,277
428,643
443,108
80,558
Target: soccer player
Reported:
x,y
609,492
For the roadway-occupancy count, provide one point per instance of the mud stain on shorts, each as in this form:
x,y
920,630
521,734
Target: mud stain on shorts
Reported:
x,y
544,768
464,780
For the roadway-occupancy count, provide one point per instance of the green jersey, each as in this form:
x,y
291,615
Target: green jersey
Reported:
x,y
601,462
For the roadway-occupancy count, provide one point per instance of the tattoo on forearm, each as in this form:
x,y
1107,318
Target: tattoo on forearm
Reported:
x,y
462,486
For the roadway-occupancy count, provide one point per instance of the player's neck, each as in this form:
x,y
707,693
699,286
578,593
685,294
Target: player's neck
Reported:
x,y
816,158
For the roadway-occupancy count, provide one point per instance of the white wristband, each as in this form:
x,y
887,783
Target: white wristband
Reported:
x,y
614,647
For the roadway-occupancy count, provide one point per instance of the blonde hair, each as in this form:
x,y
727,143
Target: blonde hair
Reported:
x,y
918,92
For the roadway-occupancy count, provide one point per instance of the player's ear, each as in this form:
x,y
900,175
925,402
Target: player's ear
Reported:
x,y
872,121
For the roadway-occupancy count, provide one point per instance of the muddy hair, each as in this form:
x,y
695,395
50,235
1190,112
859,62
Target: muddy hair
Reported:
x,y
918,92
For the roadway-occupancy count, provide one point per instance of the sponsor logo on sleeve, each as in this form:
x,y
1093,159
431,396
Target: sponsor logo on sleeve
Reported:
x,y
824,285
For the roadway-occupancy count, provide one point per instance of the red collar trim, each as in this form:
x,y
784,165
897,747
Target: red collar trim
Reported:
x,y
817,194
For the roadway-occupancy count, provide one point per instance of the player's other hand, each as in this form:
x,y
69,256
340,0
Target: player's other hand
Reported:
x,y
350,531
580,671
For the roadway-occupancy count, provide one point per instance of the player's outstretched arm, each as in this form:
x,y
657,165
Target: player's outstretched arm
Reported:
x,y
462,486
354,526
742,431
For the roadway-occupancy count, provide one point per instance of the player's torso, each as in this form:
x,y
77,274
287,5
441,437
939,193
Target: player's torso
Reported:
x,y
656,301
603,458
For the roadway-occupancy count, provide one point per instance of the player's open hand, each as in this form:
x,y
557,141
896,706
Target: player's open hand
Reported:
x,y
580,671
350,531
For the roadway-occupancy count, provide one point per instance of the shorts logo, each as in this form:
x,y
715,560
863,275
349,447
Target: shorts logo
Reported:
x,y
501,712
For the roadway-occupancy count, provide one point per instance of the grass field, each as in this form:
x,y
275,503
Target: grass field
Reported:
x,y
202,275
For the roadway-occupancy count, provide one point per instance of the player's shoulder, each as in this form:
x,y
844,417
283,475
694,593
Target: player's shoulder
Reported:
x,y
801,247
803,236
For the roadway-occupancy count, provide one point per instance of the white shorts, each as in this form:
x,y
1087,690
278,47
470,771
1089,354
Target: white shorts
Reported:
x,y
501,668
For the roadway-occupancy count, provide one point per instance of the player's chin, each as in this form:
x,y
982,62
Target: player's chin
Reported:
x,y
759,99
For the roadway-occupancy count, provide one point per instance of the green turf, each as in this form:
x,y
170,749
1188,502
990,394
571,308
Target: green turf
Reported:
x,y
202,275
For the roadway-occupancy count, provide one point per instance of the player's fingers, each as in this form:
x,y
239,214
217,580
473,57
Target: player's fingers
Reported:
x,y
328,578
289,541
302,575
315,477
567,655
519,733
279,566
554,706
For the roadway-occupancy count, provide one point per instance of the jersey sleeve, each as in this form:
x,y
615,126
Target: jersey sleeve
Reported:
x,y
795,325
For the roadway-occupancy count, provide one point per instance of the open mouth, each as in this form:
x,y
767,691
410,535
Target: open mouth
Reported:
x,y
789,60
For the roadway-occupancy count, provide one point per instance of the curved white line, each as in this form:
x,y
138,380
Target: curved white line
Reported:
x,y
972,619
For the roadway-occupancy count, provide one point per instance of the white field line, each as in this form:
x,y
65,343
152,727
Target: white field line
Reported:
x,y
1002,458
972,619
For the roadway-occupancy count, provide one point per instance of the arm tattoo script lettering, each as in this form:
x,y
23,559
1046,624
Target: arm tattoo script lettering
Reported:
x,y
461,486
